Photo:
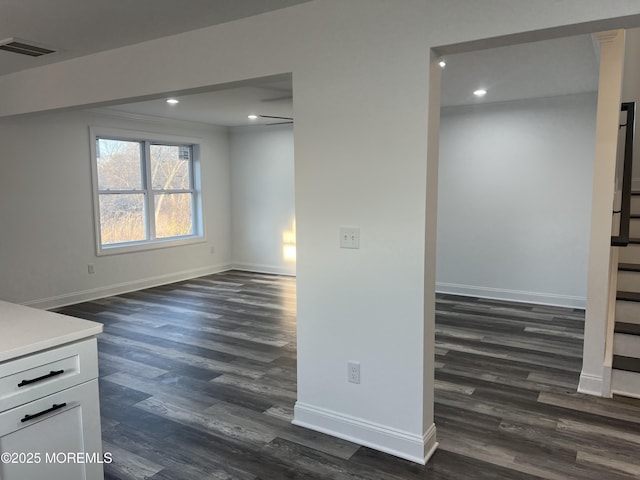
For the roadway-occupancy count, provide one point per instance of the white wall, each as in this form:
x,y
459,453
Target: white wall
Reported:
x,y
262,198
514,204
47,213
365,151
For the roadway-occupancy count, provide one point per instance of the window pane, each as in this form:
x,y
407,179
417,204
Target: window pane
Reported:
x,y
119,165
173,215
170,167
122,218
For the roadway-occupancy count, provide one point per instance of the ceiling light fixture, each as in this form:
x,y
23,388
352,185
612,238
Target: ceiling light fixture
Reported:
x,y
481,92
442,63
252,117
172,101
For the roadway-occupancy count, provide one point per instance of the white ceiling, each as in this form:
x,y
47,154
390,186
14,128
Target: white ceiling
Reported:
x,y
80,27
229,107
533,70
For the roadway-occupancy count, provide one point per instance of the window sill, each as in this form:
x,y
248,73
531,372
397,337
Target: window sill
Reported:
x,y
144,246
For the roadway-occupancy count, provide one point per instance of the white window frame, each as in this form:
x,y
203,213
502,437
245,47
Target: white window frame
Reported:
x,y
148,139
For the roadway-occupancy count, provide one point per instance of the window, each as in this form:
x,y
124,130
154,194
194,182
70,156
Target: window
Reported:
x,y
146,190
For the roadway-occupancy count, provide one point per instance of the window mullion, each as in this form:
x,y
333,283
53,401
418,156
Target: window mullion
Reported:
x,y
150,201
195,214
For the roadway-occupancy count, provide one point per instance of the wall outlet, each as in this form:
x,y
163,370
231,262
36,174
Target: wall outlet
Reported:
x,y
353,372
349,237
212,250
91,268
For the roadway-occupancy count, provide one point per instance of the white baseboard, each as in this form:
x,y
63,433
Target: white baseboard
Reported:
x,y
416,448
120,288
512,295
258,268
592,385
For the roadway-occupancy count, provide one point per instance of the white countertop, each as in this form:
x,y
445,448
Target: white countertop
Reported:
x,y
26,330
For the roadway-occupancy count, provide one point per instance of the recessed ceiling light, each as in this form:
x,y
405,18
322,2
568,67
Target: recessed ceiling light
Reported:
x,y
172,101
481,92
442,64
252,117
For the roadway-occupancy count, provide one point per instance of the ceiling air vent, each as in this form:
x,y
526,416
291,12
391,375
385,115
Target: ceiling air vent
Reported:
x,y
24,47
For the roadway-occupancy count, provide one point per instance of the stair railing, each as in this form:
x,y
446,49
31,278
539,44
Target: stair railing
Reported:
x,y
622,212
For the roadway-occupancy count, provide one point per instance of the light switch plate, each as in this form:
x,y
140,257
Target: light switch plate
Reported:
x,y
349,237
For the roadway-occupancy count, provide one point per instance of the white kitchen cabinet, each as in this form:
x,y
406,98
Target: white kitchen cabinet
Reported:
x,y
63,444
49,406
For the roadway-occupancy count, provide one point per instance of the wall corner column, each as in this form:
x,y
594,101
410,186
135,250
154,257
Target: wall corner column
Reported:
x,y
593,380
431,213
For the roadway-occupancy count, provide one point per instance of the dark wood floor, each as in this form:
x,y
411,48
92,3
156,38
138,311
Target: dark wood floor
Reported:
x,y
198,382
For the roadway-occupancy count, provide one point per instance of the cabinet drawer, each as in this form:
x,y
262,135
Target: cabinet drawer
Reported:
x,y
29,378
44,431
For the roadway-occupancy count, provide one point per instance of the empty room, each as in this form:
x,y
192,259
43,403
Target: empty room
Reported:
x,y
259,240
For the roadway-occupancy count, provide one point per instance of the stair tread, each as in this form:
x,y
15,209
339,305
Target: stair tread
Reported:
x,y
627,328
629,267
628,364
628,296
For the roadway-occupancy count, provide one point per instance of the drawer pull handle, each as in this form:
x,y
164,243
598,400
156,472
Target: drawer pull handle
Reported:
x,y
44,412
52,373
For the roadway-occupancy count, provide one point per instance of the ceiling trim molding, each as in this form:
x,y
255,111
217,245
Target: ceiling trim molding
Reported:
x,y
481,105
152,119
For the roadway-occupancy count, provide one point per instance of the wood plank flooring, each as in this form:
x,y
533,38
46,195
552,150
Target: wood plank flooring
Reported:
x,y
198,381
